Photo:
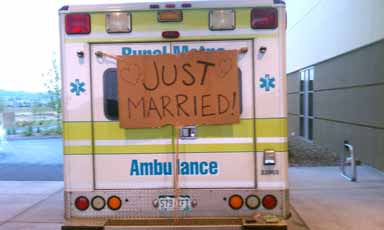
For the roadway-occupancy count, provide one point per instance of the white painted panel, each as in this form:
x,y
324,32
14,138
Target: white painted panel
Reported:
x,y
78,173
331,28
76,83
118,171
273,181
270,98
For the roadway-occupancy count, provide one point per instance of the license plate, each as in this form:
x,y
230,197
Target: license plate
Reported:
x,y
168,203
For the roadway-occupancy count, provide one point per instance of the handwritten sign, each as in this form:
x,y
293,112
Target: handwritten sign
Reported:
x,y
186,89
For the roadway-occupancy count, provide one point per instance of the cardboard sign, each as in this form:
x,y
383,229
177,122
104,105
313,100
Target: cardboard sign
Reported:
x,y
186,89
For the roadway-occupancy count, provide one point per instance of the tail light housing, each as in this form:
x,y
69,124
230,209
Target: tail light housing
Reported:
x,y
79,23
98,203
222,19
82,203
114,202
264,18
236,202
269,202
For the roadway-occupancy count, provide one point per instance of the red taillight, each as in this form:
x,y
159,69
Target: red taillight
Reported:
x,y
269,202
77,23
264,18
82,203
170,34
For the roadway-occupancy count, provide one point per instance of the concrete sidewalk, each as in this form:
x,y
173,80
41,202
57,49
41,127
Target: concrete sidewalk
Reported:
x,y
326,200
322,198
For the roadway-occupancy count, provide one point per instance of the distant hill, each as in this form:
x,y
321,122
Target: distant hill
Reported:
x,y
5,94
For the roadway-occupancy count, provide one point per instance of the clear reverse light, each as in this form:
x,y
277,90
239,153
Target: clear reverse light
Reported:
x,y
118,22
223,19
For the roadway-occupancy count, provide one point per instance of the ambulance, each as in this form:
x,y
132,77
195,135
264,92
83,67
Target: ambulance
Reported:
x,y
230,176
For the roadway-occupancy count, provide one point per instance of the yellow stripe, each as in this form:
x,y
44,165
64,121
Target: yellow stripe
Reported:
x,y
243,129
134,149
112,131
77,130
77,150
276,127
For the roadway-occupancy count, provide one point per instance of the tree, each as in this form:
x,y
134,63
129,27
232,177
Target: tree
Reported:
x,y
2,105
53,85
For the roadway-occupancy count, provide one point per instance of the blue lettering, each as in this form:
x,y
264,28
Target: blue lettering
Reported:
x,y
134,168
126,51
146,168
213,167
177,50
165,50
203,168
167,168
157,168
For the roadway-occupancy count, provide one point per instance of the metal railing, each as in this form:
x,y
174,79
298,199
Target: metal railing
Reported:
x,y
344,161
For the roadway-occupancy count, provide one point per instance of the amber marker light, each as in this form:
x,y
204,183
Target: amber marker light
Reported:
x,y
114,202
236,202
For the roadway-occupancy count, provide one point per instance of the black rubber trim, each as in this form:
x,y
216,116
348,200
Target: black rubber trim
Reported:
x,y
82,228
265,227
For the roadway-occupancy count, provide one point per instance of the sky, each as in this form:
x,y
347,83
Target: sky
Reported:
x,y
30,39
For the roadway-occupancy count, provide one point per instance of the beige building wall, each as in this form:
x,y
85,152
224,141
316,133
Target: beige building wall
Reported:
x,y
348,102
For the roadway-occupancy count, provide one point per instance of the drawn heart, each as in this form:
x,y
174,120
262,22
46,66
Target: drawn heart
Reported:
x,y
225,66
132,74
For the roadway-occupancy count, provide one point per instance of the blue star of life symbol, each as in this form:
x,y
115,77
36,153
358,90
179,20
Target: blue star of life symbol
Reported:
x,y
267,82
77,87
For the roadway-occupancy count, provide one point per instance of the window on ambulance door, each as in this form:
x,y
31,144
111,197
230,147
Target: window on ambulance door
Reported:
x,y
111,110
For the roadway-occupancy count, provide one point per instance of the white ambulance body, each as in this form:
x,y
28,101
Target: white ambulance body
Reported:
x,y
228,172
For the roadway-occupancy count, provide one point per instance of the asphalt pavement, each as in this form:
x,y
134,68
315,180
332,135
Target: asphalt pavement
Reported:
x,y
321,199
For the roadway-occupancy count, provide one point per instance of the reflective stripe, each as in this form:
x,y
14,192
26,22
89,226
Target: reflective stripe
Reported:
x,y
271,139
133,142
77,142
217,141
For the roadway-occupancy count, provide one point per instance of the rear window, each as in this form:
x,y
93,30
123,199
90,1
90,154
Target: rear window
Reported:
x,y
111,110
